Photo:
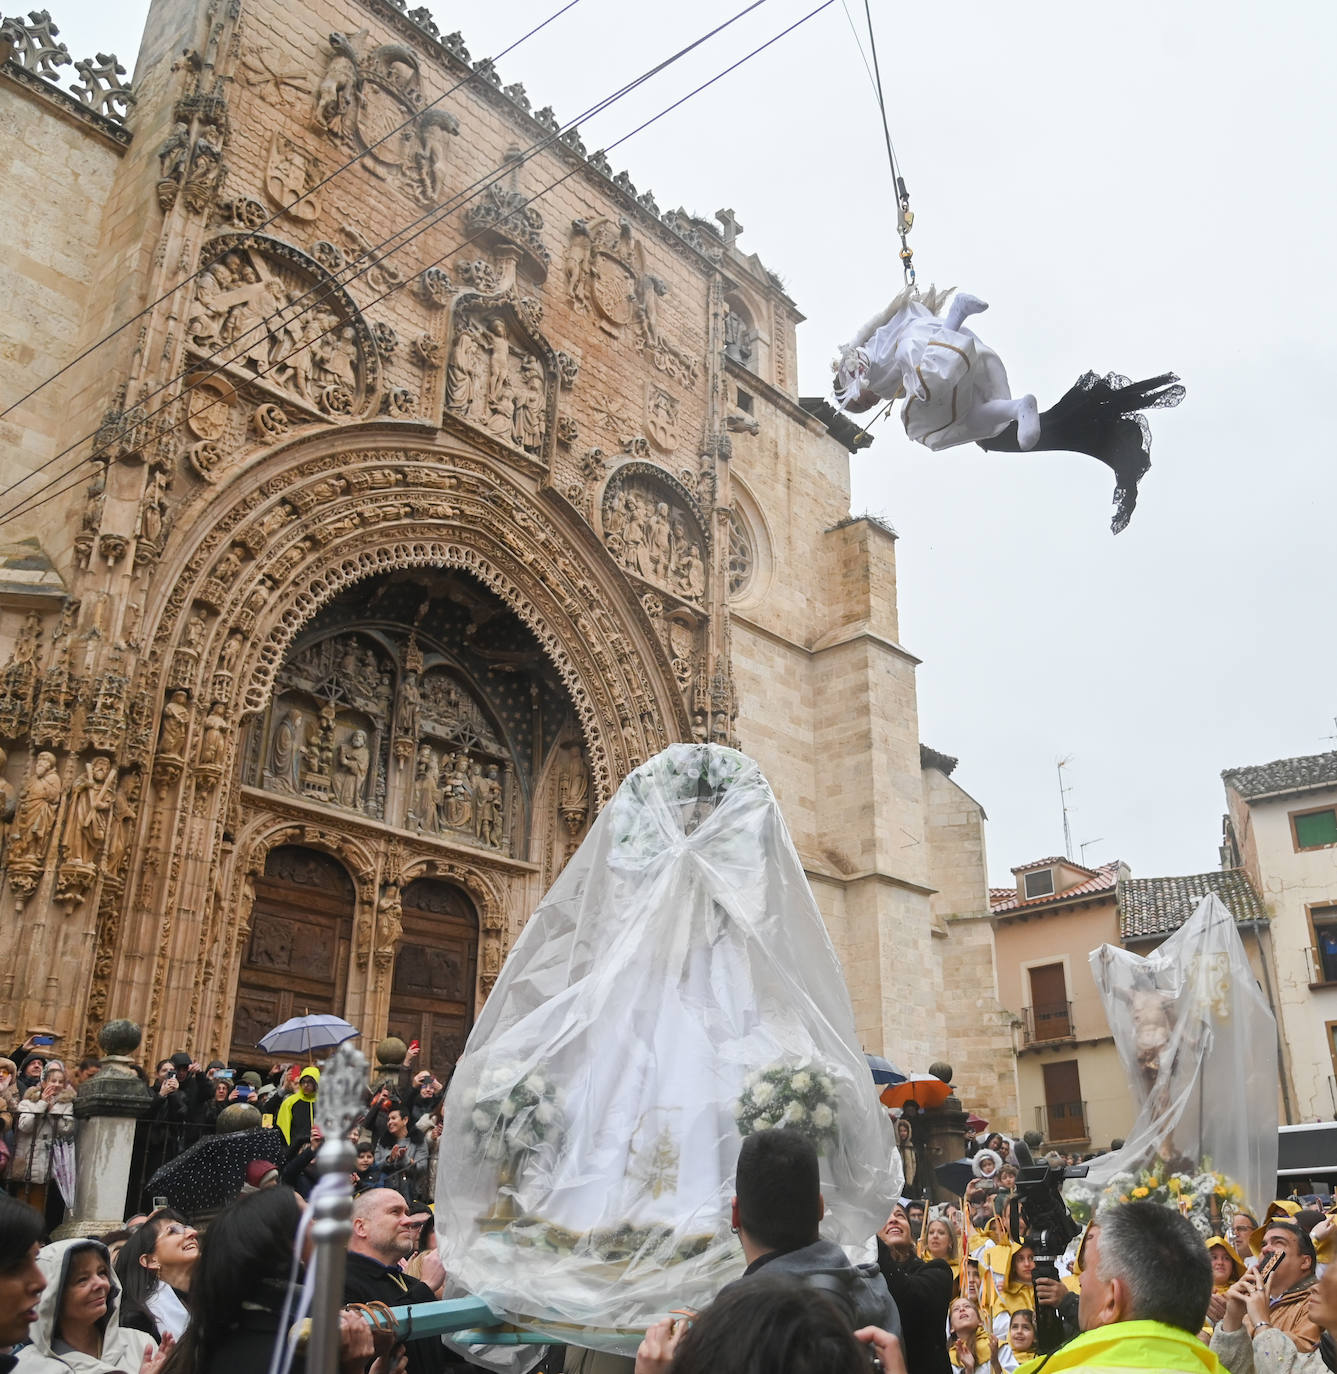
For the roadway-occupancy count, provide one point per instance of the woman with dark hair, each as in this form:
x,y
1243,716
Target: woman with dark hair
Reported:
x,y
923,1293
238,1289
155,1267
21,1279
769,1325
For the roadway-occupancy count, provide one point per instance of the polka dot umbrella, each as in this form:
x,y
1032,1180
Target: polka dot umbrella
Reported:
x,y
211,1172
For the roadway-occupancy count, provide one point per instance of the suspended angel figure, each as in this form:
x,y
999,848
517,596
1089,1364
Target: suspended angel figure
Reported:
x,y
956,392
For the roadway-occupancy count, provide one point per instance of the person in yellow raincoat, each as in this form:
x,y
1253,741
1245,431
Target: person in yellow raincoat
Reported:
x,y
940,1242
298,1110
1226,1268
1007,1272
971,1346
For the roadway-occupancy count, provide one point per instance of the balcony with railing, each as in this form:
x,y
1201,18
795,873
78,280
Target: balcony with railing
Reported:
x,y
1061,1122
1046,1022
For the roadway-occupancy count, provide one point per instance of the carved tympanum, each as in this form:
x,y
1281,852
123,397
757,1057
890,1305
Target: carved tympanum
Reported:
x,y
651,527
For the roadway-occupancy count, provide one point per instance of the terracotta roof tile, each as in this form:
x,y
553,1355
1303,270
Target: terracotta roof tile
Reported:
x,y
1152,907
1004,900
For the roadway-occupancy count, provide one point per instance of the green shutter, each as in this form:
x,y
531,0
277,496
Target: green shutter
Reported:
x,y
1317,828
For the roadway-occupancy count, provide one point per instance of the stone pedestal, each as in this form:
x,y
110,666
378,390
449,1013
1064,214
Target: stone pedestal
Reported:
x,y
106,1108
944,1130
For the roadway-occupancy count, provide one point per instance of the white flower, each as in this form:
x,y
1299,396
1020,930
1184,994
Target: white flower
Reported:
x,y
481,1120
508,1107
801,1082
762,1123
795,1113
537,1084
762,1093
825,1084
822,1116
544,1114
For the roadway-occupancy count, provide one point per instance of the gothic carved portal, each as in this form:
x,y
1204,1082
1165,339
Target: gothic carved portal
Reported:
x,y
419,701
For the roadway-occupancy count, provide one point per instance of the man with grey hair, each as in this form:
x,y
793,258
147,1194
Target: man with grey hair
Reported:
x,y
1146,1281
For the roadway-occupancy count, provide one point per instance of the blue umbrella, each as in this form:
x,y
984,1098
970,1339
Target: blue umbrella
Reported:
x,y
302,1034
884,1072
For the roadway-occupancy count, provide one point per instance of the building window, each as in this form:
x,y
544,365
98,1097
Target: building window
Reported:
x,y
1063,1117
1039,884
744,401
1323,920
1314,829
1049,1016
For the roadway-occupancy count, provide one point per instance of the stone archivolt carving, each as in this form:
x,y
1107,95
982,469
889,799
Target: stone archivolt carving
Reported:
x,y
651,526
256,314
501,375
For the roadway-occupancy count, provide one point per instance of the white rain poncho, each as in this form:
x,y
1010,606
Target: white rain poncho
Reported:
x,y
677,980
1199,1046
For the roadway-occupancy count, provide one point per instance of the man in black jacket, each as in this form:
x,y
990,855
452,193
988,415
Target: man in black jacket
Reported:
x,y
923,1293
776,1213
384,1233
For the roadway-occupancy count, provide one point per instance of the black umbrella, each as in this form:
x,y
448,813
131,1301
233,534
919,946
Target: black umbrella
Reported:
x,y
956,1175
883,1070
212,1171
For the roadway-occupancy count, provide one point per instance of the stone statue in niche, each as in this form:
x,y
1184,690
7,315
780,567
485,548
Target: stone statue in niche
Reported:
x,y
89,815
492,382
285,754
352,763
231,651
573,791
457,795
424,790
122,828
214,739
487,808
35,815
175,722
737,337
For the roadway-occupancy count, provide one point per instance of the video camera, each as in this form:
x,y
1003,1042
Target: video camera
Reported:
x,y
1049,1229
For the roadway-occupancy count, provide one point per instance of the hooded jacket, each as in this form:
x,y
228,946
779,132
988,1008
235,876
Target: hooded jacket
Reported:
x,y
122,1351
1132,1346
860,1287
298,1131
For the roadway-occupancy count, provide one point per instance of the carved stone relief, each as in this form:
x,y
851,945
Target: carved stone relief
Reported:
x,y
256,315
289,175
661,417
500,377
652,529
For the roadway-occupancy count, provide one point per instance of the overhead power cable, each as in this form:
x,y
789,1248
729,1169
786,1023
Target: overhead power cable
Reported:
x,y
30,504
310,191
373,255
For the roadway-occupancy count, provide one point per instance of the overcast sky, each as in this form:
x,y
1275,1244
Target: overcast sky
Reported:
x,y
1132,188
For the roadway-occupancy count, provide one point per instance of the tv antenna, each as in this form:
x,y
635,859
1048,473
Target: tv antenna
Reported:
x,y
1063,791
1086,844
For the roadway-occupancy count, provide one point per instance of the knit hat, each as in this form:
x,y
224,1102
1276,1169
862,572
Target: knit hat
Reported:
x,y
252,1078
259,1172
181,1060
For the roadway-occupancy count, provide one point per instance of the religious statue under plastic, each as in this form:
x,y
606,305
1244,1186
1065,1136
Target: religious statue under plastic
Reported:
x,y
956,392
1199,1046
675,991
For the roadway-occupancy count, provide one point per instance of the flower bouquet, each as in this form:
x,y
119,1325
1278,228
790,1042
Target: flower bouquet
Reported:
x,y
797,1096
513,1113
1201,1194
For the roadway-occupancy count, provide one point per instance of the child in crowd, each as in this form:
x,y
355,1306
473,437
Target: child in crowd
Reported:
x,y
971,1348
1020,1344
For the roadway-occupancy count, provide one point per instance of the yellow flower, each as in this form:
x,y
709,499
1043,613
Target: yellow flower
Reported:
x,y
1174,1186
1140,1192
1220,1190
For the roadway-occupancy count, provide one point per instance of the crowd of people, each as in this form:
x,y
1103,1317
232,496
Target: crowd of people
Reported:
x,y
943,1290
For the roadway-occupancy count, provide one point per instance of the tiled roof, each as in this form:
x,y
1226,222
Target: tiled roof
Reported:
x,y
1283,775
1159,906
1053,859
1004,900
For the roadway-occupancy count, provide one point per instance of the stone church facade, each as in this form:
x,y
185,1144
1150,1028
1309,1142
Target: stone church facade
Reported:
x,y
346,583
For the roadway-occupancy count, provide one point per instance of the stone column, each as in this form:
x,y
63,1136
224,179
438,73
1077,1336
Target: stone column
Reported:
x,y
107,1107
945,1133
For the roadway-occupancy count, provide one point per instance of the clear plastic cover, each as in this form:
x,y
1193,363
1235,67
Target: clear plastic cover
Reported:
x,y
675,989
1199,1045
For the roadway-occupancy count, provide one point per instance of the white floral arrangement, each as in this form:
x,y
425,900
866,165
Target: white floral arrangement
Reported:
x,y
800,1097
646,810
514,1112
1200,1193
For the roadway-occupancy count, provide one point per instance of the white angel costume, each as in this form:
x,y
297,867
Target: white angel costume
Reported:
x,y
955,386
675,988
